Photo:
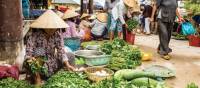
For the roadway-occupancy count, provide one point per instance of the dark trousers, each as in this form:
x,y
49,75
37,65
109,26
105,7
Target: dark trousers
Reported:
x,y
165,32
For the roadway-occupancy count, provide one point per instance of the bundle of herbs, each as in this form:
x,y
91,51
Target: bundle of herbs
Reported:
x,y
123,55
132,24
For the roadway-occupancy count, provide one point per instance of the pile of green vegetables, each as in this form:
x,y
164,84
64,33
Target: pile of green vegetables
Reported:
x,y
192,85
179,36
132,24
12,83
123,55
65,79
191,6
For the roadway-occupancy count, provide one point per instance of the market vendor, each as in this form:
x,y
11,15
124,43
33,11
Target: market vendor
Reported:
x,y
69,18
99,26
85,25
167,12
117,16
44,47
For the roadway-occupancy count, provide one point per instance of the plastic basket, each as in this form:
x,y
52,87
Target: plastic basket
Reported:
x,y
73,43
194,40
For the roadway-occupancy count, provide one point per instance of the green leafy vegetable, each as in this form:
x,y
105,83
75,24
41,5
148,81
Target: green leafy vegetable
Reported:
x,y
124,56
192,85
36,65
132,23
65,79
12,83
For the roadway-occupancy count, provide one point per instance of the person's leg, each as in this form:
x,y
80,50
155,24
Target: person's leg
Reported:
x,y
170,29
147,26
120,29
112,28
163,48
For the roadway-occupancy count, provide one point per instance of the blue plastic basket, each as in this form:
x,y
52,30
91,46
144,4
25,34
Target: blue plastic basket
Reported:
x,y
73,43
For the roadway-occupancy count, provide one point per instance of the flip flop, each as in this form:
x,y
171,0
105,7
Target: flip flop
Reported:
x,y
166,57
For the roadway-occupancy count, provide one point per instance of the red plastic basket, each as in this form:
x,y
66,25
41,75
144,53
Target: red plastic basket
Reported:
x,y
194,40
130,37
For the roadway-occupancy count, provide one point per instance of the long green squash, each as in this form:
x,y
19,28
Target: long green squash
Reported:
x,y
129,74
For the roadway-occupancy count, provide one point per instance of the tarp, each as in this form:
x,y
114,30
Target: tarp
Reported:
x,y
78,2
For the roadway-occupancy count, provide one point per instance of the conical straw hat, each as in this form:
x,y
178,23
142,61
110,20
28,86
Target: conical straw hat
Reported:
x,y
130,3
49,20
102,17
84,15
70,14
92,17
60,14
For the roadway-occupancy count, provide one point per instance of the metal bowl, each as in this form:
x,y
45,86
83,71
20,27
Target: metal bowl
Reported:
x,y
85,53
93,58
93,47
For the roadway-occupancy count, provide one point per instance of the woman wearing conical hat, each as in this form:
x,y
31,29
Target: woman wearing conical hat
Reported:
x,y
45,47
117,16
99,26
85,25
69,18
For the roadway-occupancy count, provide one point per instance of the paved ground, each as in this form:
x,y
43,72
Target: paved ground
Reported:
x,y
185,60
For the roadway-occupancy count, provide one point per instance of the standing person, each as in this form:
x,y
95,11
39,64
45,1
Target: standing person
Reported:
x,y
147,15
117,16
109,4
167,12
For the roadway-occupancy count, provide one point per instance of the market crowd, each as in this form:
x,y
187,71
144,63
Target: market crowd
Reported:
x,y
49,33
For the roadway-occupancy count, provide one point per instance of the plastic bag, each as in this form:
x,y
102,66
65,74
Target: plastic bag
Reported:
x,y
187,28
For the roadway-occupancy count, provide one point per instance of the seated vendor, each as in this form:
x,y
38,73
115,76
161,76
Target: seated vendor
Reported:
x,y
45,53
69,18
85,25
99,26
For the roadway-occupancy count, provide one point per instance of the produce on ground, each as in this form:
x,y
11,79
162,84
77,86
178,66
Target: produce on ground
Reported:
x,y
12,83
130,74
124,56
192,85
85,44
101,73
148,83
79,61
132,24
65,79
180,37
160,71
146,56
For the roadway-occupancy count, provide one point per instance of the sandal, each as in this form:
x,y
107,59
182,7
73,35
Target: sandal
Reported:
x,y
166,57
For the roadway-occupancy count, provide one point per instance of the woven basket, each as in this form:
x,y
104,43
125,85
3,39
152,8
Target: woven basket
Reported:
x,y
73,43
91,76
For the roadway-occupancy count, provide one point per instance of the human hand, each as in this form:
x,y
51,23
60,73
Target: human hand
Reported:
x,y
181,19
126,25
151,19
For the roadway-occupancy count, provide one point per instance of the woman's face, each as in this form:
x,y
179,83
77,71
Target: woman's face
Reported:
x,y
50,31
